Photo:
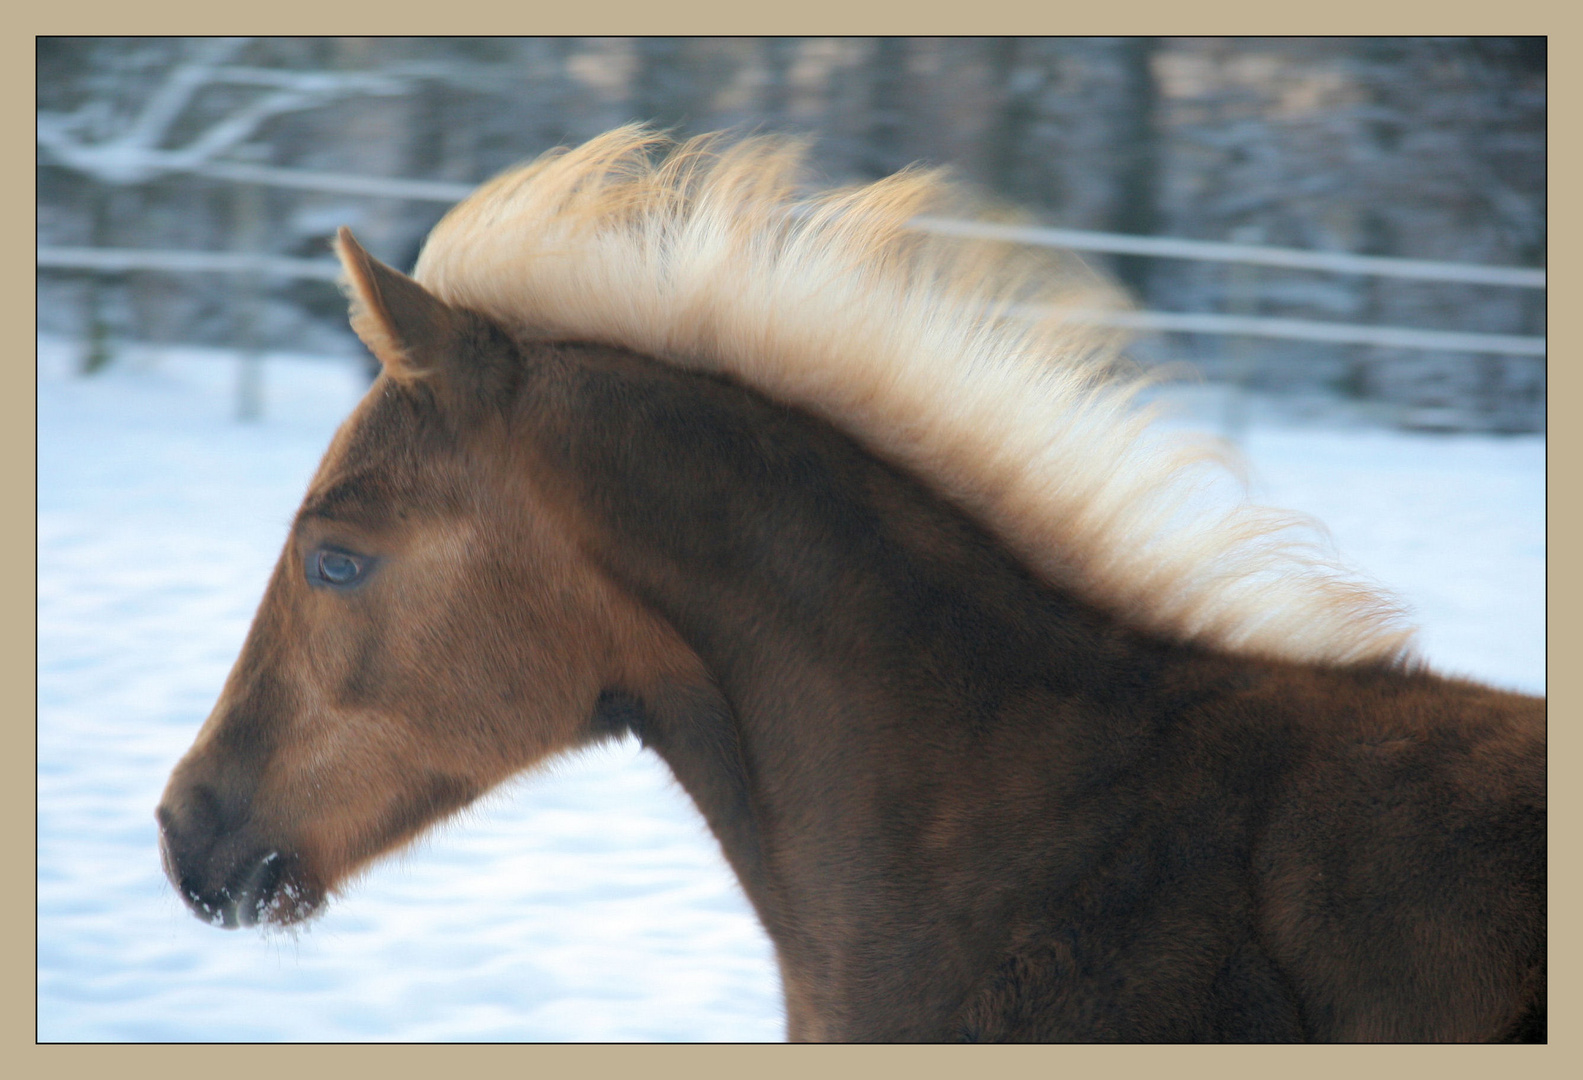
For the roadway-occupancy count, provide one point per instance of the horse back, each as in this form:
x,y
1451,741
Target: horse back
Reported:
x,y
1317,854
1403,868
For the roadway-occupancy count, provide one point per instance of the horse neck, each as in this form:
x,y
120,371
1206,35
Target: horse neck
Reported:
x,y
885,673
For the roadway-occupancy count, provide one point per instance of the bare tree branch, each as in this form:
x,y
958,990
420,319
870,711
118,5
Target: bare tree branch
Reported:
x,y
135,156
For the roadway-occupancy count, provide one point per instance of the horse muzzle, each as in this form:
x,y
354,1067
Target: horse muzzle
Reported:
x,y
231,879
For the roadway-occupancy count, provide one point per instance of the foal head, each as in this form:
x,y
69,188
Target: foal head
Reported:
x,y
427,631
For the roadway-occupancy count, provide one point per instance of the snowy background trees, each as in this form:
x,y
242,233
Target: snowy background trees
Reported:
x,y
1423,148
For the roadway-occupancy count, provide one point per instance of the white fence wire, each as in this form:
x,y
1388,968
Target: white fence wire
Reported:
x,y
111,260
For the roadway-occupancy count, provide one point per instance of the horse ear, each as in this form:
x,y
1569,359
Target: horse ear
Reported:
x,y
407,328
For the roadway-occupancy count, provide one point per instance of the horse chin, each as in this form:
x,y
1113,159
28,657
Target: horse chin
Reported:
x,y
266,891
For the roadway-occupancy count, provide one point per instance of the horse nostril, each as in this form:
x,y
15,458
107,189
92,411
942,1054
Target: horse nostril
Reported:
x,y
199,840
201,813
229,868
204,808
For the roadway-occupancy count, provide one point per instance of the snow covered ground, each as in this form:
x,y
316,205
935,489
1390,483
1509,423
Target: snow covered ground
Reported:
x,y
586,902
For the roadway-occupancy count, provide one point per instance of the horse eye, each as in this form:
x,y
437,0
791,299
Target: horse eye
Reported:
x,y
337,567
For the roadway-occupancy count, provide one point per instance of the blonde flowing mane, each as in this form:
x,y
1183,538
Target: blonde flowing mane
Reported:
x,y
712,256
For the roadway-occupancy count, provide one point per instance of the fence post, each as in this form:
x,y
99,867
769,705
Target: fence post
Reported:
x,y
249,302
98,350
1242,300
